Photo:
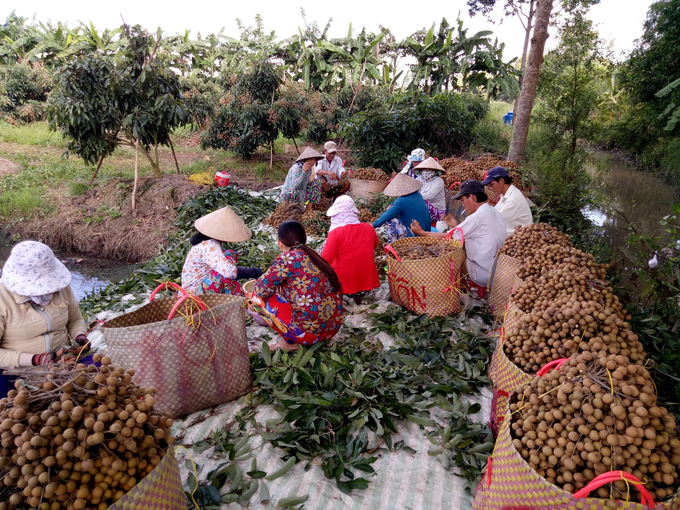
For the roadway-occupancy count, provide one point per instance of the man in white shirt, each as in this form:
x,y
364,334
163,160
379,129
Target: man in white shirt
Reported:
x,y
513,205
331,170
330,167
484,231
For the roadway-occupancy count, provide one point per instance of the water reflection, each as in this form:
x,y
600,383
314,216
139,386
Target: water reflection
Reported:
x,y
625,195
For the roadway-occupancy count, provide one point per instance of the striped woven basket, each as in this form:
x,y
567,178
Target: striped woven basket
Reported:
x,y
511,484
159,490
502,284
361,188
505,375
429,286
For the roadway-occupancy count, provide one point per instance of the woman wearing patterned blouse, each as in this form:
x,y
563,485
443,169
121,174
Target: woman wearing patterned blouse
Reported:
x,y
300,295
302,185
208,269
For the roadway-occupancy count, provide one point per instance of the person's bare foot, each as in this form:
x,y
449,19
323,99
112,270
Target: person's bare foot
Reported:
x,y
282,344
309,207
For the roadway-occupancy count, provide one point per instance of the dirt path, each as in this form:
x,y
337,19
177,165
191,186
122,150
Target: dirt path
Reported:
x,y
8,167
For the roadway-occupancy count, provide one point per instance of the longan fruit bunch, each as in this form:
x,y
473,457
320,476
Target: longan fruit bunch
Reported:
x,y
370,174
528,239
593,415
563,279
284,211
571,325
552,256
77,437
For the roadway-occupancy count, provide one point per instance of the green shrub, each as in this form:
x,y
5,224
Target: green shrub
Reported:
x,y
78,189
23,92
387,130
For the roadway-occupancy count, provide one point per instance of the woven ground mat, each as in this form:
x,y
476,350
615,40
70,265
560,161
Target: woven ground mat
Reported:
x,y
429,286
159,490
403,481
510,483
502,284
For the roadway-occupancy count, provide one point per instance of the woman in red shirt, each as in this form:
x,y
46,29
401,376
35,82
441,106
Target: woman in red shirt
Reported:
x,y
350,249
300,296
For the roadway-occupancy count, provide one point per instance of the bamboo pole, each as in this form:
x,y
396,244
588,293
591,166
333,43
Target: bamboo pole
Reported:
x,y
134,187
271,154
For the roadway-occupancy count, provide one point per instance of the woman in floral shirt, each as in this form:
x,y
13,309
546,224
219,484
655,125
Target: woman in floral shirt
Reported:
x,y
210,270
300,295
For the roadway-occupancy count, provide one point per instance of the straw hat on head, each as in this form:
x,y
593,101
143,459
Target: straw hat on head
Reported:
x,y
429,164
223,225
402,185
309,153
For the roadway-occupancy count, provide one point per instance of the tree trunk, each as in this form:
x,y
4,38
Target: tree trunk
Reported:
x,y
172,148
154,165
134,187
527,38
101,160
530,82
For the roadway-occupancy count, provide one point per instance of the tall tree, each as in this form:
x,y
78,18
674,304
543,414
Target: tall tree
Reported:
x,y
525,11
530,83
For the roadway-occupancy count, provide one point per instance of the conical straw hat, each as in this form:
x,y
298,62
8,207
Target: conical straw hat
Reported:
x,y
309,153
223,225
402,185
429,164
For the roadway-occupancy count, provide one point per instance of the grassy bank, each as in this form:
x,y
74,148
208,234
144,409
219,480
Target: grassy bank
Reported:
x,y
50,196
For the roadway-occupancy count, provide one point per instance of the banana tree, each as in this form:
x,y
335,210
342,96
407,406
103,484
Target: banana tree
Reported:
x,y
360,56
56,43
434,65
15,40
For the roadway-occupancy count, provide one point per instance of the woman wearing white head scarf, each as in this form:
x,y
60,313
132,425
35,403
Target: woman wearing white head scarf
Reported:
x,y
434,190
350,249
39,314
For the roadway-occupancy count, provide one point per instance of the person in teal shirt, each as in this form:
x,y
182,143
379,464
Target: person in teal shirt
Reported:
x,y
409,206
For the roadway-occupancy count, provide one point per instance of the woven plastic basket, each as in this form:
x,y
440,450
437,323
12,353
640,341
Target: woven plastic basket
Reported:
x,y
194,360
505,375
361,188
502,284
429,286
511,484
159,490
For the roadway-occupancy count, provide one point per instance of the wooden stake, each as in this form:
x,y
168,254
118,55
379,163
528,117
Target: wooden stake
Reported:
x,y
97,170
296,147
271,154
172,148
134,187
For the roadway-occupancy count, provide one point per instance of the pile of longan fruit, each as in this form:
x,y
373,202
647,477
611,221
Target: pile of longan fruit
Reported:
x,y
75,438
597,413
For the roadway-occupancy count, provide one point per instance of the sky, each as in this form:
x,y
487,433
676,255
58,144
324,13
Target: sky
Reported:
x,y
618,21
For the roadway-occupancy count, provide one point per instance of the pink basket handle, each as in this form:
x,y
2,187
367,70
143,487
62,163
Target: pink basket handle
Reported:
x,y
185,295
457,183
388,248
556,364
462,236
613,476
166,286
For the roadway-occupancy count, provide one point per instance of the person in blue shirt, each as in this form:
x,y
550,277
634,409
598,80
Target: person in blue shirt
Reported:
x,y
409,206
